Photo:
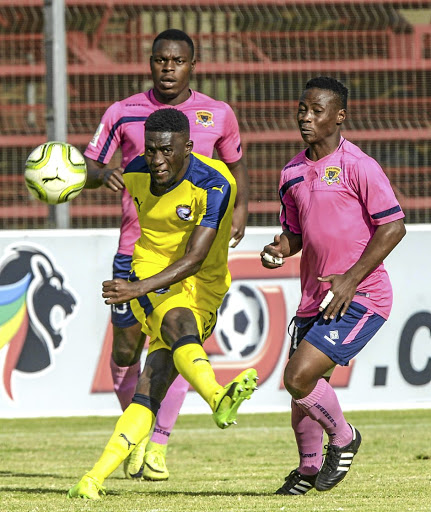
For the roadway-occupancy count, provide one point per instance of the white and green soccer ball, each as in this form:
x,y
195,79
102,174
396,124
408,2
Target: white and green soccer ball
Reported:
x,y
55,172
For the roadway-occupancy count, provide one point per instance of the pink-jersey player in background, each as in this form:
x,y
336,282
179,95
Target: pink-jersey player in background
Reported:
x,y
213,127
339,208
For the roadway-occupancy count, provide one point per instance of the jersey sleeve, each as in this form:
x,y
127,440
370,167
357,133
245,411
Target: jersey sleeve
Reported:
x,y
289,215
215,202
137,165
106,139
376,192
229,145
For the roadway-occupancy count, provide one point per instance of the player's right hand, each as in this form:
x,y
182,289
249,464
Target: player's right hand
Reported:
x,y
113,179
118,291
271,256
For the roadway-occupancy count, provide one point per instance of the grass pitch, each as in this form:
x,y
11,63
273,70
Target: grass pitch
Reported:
x,y
212,470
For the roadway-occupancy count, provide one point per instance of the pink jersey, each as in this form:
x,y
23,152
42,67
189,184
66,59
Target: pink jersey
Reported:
x,y
336,205
213,126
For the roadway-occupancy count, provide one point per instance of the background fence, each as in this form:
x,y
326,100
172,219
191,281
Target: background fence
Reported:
x,y
255,54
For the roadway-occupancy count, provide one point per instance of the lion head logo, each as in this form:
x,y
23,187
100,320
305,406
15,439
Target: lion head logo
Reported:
x,y
34,307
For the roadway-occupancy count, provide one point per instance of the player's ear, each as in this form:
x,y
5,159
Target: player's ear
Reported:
x,y
189,147
193,65
341,116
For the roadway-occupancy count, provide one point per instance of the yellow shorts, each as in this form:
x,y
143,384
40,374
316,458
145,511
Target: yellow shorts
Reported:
x,y
151,309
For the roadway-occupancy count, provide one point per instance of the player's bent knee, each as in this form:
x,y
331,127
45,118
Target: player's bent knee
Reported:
x,y
126,346
295,383
178,322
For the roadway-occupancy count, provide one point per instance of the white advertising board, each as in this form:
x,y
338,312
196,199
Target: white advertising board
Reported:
x,y
55,334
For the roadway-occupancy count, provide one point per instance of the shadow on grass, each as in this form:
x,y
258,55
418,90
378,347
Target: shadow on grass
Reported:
x,y
161,494
29,490
13,474
206,493
124,492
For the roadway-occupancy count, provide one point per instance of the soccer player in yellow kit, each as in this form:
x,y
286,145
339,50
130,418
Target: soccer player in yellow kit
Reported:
x,y
179,277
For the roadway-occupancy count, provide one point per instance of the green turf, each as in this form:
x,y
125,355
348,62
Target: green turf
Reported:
x,y
212,470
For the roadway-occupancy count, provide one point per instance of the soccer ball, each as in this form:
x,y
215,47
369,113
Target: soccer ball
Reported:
x,y
55,172
241,322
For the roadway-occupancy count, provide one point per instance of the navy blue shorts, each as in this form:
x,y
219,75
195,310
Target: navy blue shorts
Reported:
x,y
121,314
342,338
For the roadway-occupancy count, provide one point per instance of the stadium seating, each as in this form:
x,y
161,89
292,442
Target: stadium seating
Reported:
x,y
254,54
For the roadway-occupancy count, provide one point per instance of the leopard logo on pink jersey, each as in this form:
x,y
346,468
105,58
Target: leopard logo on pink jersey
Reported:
x,y
205,118
331,175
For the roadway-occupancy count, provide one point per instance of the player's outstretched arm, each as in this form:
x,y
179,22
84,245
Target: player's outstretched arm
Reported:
x,y
284,245
240,212
98,175
117,291
343,286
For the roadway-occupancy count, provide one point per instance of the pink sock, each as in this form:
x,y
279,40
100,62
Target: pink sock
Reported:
x,y
322,405
125,380
169,410
309,439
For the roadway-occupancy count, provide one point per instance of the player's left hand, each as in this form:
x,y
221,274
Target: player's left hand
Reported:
x,y
343,290
117,291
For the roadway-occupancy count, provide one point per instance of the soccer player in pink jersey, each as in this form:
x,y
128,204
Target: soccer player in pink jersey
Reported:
x,y
213,127
339,208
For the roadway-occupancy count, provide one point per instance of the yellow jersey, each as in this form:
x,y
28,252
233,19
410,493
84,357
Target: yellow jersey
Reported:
x,y
205,196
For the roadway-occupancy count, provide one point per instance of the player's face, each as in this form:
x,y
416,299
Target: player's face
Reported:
x,y
167,157
319,115
171,68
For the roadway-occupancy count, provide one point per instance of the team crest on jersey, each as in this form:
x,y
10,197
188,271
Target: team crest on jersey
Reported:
x,y
331,175
184,212
205,118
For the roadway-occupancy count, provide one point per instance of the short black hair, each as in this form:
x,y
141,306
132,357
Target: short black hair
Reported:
x,y
330,84
168,120
173,34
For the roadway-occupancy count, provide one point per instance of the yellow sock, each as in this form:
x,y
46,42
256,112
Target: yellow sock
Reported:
x,y
192,363
134,424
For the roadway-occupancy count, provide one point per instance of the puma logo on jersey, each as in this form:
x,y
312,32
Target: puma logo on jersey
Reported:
x,y
138,203
220,189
